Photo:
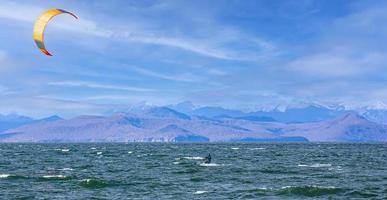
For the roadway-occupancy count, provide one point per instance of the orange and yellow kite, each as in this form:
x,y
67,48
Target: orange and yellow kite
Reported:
x,y
40,25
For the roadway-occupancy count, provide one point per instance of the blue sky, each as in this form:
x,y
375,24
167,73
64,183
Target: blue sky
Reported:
x,y
246,54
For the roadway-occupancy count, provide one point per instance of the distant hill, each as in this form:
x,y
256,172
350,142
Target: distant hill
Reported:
x,y
154,125
13,121
310,113
349,127
145,123
379,116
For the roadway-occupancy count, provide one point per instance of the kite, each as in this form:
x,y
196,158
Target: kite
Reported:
x,y
40,25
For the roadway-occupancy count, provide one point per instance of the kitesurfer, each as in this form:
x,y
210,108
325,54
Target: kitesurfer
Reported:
x,y
207,159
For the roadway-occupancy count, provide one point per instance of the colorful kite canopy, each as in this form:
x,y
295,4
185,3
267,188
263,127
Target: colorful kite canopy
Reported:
x,y
40,25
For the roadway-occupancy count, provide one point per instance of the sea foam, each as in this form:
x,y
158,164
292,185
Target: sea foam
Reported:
x,y
5,175
194,158
54,176
200,192
209,164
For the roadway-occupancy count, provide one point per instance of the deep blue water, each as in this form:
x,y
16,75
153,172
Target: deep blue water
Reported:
x,y
176,171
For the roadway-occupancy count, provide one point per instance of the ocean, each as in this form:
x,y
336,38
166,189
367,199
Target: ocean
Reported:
x,y
177,171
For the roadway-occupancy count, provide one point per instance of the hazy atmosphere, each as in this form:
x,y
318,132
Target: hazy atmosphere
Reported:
x,y
193,99
255,55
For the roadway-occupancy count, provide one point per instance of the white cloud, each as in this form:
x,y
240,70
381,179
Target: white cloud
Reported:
x,y
125,99
98,86
185,44
216,72
187,77
349,47
209,47
338,64
17,11
42,106
29,13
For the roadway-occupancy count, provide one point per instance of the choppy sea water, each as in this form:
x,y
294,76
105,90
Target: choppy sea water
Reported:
x,y
177,171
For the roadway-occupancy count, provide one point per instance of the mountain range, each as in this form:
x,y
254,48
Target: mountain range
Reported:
x,y
185,122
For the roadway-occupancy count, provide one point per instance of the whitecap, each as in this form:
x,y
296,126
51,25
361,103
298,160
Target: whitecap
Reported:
x,y
194,158
99,153
93,148
65,150
313,186
209,164
200,192
54,176
337,168
316,165
176,163
66,169
5,175
321,165
130,152
87,180
234,148
258,148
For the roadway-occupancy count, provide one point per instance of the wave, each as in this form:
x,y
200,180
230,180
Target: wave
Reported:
x,y
66,169
321,165
260,190
4,175
94,184
194,158
62,150
316,165
210,164
144,155
258,148
310,191
197,179
11,176
200,192
55,177
361,194
278,171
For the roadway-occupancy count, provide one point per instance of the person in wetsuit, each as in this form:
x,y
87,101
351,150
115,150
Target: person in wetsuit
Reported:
x,y
207,159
